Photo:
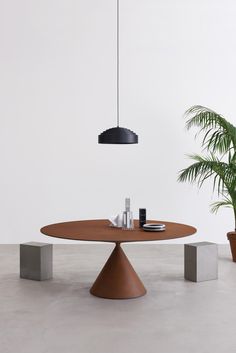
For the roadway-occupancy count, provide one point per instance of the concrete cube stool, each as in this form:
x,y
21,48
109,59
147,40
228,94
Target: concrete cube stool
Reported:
x,y
200,261
36,261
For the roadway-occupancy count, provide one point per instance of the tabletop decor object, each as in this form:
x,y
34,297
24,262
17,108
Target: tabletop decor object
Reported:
x,y
219,162
116,221
128,221
142,217
154,227
117,279
118,135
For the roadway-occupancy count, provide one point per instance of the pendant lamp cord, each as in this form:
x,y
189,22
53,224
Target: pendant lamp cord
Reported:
x,y
118,63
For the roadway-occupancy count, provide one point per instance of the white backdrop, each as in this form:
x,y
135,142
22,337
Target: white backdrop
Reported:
x,y
57,93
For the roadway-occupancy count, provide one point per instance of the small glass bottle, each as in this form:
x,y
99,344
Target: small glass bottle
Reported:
x,y
128,221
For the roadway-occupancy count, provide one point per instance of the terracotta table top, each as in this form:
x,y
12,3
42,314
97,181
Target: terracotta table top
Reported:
x,y
99,230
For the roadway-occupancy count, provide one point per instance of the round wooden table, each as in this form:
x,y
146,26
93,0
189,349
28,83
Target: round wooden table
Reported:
x,y
117,279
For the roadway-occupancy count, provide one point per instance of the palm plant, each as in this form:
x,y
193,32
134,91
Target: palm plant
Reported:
x,y
219,161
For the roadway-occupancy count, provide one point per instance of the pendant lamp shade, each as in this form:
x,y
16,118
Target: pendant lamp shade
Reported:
x,y
118,135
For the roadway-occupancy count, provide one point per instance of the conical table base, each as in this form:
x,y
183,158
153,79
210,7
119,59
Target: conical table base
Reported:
x,y
118,279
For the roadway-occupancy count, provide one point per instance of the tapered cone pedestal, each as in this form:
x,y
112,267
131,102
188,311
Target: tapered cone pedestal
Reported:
x,y
118,280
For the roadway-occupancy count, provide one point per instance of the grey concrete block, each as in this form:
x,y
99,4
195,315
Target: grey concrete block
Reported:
x,y
36,261
200,261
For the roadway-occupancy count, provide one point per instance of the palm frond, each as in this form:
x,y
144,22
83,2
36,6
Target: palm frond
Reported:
x,y
206,167
226,202
220,135
219,140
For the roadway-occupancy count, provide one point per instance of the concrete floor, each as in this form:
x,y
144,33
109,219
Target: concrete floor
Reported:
x,y
60,316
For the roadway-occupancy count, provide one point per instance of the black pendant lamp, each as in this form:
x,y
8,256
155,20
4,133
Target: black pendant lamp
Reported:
x,y
118,135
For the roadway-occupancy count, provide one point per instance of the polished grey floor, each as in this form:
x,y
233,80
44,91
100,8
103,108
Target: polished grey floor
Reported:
x,y
60,316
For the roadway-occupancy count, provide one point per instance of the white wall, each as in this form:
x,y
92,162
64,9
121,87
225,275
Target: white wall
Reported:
x,y
57,93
